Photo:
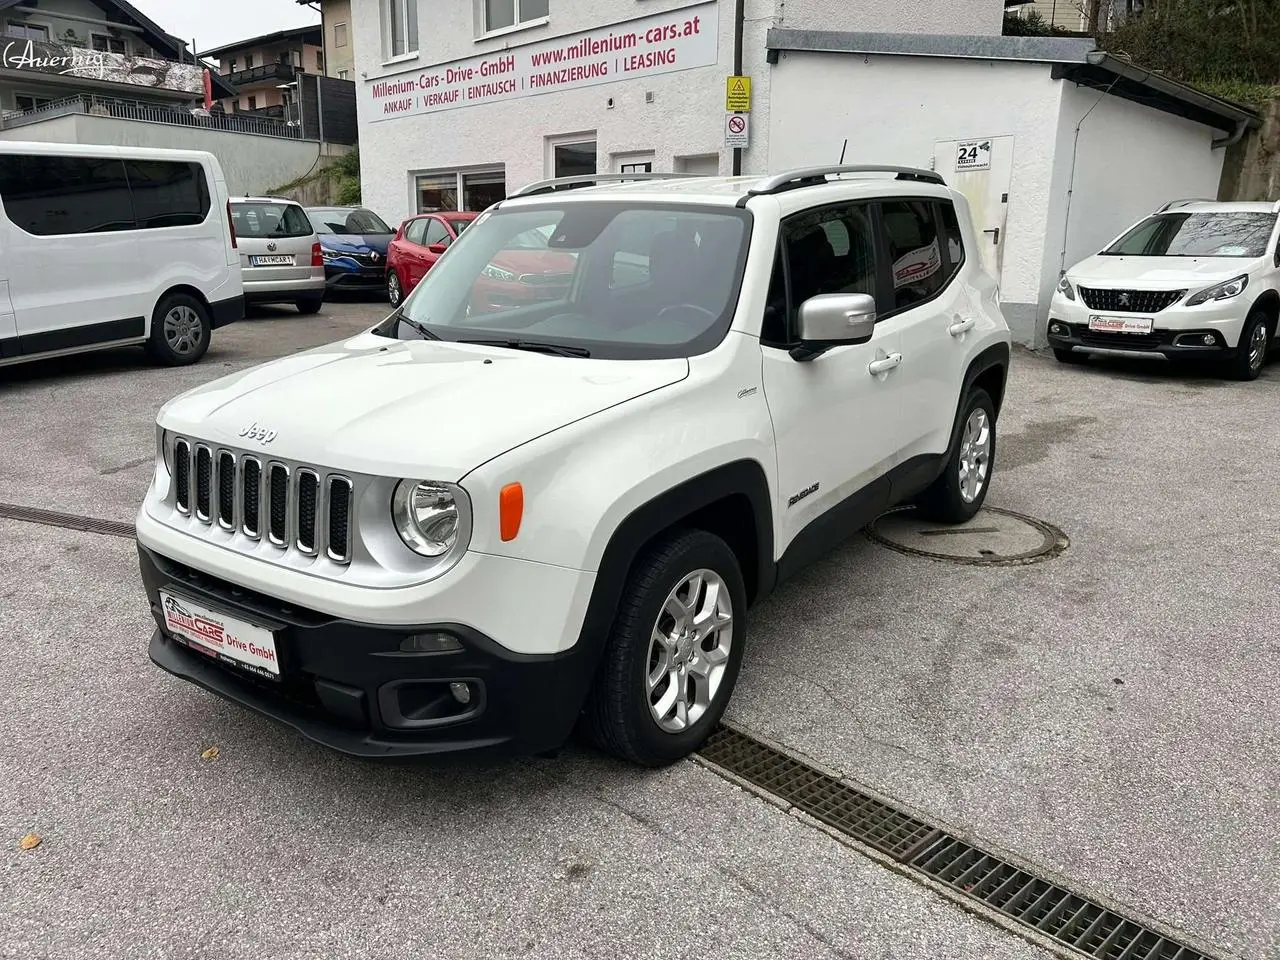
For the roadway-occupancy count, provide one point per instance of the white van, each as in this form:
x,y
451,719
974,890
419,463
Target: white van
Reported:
x,y
107,246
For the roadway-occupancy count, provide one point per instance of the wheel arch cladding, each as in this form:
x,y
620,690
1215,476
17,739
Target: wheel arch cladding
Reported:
x,y
1269,301
989,371
731,501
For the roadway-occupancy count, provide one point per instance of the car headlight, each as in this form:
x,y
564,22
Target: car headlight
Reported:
x,y
327,254
1223,291
1065,288
497,273
433,519
164,443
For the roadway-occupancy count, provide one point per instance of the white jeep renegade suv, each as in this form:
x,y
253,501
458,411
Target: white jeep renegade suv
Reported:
x,y
543,493
1196,280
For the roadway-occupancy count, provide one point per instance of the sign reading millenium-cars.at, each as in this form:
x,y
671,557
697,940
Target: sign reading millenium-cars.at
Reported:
x,y
32,56
662,43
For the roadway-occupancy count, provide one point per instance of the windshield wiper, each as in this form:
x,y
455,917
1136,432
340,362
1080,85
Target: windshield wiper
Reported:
x,y
413,325
535,346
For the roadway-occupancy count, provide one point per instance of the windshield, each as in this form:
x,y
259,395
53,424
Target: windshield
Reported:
x,y
1233,234
607,279
269,220
347,221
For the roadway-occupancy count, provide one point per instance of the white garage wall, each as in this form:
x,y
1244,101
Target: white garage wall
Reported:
x,y
1130,160
966,17
894,109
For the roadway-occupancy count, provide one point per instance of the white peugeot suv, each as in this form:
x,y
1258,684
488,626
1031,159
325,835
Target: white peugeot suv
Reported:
x,y
543,492
1197,280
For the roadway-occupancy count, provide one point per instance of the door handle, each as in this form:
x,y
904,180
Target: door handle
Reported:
x,y
877,367
961,327
995,235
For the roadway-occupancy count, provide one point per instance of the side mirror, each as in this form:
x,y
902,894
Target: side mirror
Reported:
x,y
439,247
833,320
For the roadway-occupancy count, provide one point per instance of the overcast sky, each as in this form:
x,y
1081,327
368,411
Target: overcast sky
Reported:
x,y
212,23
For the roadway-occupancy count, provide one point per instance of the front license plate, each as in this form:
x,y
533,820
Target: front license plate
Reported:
x,y
1102,324
220,636
277,260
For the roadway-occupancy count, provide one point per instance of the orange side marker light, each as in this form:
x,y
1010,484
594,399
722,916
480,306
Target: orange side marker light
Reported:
x,y
510,510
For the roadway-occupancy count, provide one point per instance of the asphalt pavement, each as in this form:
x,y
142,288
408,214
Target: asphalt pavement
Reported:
x,y
1108,716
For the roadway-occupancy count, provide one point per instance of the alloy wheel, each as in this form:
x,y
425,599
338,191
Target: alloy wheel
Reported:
x,y
689,651
1257,347
975,455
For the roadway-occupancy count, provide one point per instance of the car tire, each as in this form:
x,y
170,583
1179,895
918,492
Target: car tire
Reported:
x,y
310,305
1251,354
1068,355
395,289
960,491
648,721
180,330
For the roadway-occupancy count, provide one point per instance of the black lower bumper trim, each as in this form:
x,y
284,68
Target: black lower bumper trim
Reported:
x,y
351,687
223,312
1165,343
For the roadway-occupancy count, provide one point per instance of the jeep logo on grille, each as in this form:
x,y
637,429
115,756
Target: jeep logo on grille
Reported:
x,y
261,434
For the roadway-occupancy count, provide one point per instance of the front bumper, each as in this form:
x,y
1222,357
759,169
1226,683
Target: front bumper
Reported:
x,y
1178,332
348,686
352,278
223,312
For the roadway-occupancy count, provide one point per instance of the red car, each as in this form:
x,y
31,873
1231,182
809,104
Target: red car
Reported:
x,y
417,246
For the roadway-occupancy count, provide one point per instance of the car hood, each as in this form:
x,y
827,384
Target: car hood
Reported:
x,y
423,409
356,243
1140,273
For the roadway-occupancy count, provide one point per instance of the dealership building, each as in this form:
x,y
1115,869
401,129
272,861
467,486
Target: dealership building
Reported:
x,y
1057,146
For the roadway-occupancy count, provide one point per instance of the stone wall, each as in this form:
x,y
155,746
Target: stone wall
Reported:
x,y
1251,170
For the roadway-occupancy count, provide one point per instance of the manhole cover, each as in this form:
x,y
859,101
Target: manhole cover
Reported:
x,y
994,537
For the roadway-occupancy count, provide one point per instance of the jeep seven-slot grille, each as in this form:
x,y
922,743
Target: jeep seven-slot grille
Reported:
x,y
298,508
1129,301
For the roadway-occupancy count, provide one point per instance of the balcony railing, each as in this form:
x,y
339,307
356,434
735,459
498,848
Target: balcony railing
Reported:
x,y
266,73
173,115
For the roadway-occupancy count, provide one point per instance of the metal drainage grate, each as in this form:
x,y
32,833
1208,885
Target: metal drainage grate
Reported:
x,y
1065,917
994,538
51,518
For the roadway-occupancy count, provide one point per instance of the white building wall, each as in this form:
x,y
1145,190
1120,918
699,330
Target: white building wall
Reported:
x,y
251,164
1128,162
894,109
685,118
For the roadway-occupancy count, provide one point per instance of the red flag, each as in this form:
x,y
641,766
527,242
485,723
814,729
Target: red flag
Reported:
x,y
208,89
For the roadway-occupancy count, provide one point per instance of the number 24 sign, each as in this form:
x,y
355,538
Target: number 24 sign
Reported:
x,y
973,155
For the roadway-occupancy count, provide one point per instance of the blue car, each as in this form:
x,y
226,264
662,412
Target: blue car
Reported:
x,y
353,244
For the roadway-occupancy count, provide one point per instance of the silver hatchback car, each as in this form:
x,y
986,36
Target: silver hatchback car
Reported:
x,y
279,253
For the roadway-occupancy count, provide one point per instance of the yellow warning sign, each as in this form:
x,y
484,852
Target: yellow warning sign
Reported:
x,y
737,95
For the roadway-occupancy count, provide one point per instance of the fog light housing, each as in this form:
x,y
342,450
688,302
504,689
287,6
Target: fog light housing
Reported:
x,y
1057,329
430,643
461,692
1209,339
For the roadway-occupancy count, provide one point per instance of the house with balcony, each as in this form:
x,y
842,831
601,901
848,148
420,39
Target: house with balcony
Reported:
x,y
264,70
59,52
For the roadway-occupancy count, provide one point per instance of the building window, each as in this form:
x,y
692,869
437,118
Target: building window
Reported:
x,y
231,66
339,34
399,27
28,31
27,103
342,74
248,61
108,44
573,159
646,167
501,14
472,190
319,61
253,103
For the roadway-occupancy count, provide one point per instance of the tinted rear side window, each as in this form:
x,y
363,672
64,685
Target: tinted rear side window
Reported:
x,y
270,220
50,196
914,250
167,194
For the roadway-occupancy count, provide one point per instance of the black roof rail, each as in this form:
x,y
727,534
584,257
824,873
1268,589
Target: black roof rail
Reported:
x,y
590,180
1182,203
817,176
